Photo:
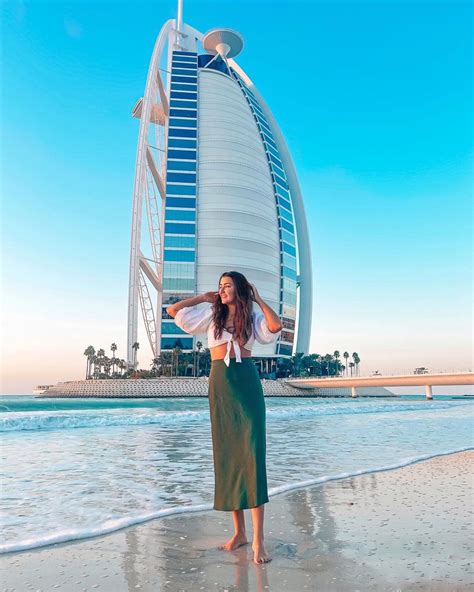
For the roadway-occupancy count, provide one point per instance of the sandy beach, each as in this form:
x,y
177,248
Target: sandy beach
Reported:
x,y
404,529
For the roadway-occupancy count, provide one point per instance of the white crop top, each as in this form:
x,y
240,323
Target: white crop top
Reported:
x,y
197,319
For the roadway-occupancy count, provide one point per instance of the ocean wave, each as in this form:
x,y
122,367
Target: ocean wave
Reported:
x,y
115,524
65,420
61,420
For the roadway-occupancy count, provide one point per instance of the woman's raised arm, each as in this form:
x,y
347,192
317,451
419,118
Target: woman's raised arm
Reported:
x,y
271,317
193,301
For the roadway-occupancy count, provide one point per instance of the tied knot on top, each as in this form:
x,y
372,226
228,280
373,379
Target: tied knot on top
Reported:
x,y
238,356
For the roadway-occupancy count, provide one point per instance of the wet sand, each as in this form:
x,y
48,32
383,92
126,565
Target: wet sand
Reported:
x,y
406,529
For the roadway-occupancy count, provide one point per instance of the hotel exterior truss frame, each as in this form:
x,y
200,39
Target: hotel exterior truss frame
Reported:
x,y
150,186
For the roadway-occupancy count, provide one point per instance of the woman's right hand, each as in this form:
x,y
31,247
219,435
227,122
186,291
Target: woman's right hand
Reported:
x,y
210,297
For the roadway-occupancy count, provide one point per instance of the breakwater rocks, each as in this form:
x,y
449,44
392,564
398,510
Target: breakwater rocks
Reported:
x,y
189,387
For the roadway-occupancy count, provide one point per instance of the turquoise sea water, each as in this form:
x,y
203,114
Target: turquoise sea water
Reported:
x,y
75,468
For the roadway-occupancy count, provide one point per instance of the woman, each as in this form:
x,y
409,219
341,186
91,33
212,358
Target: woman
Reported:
x,y
236,402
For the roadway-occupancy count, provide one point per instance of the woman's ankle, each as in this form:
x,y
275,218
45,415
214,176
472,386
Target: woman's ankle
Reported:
x,y
240,533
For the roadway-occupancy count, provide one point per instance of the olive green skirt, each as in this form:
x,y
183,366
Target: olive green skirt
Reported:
x,y
237,411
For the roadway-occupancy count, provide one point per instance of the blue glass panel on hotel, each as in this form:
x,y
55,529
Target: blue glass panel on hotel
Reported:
x,y
179,269
184,64
286,225
256,106
283,192
183,113
184,242
172,342
288,236
183,122
171,228
290,273
272,150
184,55
181,177
278,171
171,255
183,79
285,350
170,328
286,214
217,63
180,143
186,88
289,260
178,284
182,132
270,141
183,95
183,104
289,249
283,202
182,154
180,189
276,161
181,165
280,181
251,97
181,202
188,215
182,72
264,125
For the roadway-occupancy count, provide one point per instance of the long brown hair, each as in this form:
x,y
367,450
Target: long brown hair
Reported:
x,y
244,296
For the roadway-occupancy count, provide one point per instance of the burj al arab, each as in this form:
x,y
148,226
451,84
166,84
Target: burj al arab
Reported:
x,y
215,189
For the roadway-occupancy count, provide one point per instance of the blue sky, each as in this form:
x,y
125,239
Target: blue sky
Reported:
x,y
374,99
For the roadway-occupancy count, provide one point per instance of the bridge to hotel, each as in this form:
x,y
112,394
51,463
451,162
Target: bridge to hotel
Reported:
x,y
426,380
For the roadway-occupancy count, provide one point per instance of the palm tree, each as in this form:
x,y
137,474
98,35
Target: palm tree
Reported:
x,y
310,364
328,359
107,365
156,365
206,361
355,357
351,365
122,365
135,347
89,352
176,353
166,361
345,355
284,367
297,363
337,355
96,361
100,359
199,348
113,348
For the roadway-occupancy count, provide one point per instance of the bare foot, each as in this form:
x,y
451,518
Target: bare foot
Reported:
x,y
234,543
260,554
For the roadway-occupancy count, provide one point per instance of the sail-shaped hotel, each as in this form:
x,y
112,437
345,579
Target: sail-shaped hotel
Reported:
x,y
217,187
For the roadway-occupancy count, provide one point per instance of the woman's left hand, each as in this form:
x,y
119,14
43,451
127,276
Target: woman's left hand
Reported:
x,y
256,295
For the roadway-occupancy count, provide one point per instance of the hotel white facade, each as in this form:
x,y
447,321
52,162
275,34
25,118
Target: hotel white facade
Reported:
x,y
217,186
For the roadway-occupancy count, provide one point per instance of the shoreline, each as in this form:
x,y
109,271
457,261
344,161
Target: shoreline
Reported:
x,y
298,523
119,524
